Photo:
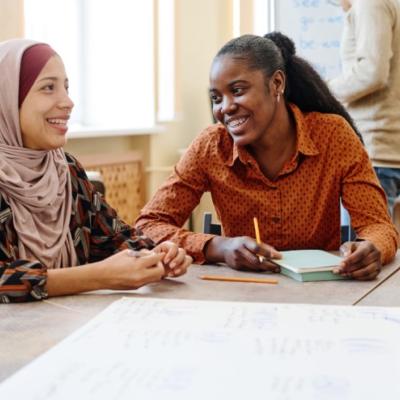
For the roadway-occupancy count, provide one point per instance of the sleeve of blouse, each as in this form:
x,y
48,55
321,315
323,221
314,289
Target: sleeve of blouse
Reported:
x,y
364,198
110,234
20,280
103,231
163,217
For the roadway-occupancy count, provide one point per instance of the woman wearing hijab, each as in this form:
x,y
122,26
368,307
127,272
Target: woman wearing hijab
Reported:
x,y
51,217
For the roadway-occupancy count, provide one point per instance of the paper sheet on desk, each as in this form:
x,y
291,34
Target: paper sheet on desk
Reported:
x,y
175,349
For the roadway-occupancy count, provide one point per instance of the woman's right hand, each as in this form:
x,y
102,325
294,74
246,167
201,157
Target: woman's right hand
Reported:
x,y
131,269
242,252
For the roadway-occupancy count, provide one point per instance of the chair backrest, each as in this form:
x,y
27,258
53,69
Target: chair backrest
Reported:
x,y
347,234
122,175
396,213
96,179
209,227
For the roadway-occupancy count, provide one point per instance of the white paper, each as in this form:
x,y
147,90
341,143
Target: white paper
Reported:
x,y
151,349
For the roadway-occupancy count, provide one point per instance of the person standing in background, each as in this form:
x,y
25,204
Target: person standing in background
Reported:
x,y
369,85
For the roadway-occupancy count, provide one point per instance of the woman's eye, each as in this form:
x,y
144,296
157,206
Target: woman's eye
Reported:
x,y
48,88
237,91
215,98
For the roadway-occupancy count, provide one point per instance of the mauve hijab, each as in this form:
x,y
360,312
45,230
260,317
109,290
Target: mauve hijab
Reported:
x,y
35,183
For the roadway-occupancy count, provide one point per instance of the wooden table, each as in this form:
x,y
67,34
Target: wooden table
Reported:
x,y
27,330
385,295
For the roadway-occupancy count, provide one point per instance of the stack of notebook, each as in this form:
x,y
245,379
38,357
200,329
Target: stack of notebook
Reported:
x,y
309,265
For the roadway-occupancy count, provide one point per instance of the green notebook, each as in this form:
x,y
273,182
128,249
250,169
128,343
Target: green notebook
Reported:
x,y
309,265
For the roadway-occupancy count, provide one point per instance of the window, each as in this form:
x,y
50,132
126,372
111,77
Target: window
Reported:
x,y
109,49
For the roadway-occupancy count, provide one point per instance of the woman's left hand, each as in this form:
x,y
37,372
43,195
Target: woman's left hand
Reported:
x,y
176,261
362,260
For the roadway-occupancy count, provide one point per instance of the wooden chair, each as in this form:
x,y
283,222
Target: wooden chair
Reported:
x,y
123,180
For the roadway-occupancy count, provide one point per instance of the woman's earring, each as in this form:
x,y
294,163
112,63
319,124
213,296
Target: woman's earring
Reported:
x,y
278,98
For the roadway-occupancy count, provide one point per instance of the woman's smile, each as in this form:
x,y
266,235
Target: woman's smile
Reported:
x,y
236,125
60,123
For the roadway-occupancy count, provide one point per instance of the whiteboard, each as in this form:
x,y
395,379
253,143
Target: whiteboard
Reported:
x,y
315,26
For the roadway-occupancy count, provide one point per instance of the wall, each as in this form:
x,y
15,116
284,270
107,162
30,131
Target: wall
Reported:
x,y
11,19
202,27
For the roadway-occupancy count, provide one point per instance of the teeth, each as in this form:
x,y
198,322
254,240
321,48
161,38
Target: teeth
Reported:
x,y
236,122
57,121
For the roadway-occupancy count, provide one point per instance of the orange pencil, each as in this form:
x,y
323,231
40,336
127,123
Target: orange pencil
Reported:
x,y
236,279
258,238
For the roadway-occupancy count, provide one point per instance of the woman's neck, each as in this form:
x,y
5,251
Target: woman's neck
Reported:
x,y
278,144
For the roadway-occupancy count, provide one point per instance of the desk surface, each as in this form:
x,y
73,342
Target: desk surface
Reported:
x,y
386,295
27,330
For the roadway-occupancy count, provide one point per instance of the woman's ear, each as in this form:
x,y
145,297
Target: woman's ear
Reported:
x,y
278,83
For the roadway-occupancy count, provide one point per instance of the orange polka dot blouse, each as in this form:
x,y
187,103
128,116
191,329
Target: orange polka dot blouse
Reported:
x,y
298,210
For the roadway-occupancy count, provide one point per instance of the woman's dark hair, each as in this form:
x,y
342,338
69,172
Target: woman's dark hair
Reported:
x,y
304,86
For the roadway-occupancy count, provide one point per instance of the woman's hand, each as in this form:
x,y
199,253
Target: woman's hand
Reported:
x,y
362,260
131,269
125,270
175,260
243,253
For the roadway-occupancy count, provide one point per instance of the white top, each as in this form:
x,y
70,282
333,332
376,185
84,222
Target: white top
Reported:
x,y
370,83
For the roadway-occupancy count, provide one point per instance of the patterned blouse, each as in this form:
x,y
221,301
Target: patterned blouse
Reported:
x,y
297,210
95,228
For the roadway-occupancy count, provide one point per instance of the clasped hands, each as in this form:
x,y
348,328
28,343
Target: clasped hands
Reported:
x,y
173,259
130,269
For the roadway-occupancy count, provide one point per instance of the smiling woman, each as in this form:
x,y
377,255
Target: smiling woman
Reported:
x,y
46,107
248,112
57,234
284,151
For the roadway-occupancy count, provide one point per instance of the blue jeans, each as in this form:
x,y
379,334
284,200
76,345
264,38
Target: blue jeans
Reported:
x,y
390,181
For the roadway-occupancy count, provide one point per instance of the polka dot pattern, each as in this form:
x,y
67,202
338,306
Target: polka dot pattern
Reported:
x,y
298,210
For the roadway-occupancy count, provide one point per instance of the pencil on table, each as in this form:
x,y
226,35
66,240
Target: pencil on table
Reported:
x,y
236,279
258,238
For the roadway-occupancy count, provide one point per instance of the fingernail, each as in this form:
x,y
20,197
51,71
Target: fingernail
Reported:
x,y
336,270
133,253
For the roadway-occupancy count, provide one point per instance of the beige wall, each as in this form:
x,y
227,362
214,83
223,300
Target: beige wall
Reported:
x,y
202,26
11,19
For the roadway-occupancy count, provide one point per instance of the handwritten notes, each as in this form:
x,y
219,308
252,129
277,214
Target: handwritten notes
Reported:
x,y
316,28
176,349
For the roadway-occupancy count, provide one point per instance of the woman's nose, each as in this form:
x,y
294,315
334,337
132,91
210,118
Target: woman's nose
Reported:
x,y
66,102
228,105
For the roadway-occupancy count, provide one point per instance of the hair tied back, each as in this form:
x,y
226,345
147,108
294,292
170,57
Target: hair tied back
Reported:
x,y
286,45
